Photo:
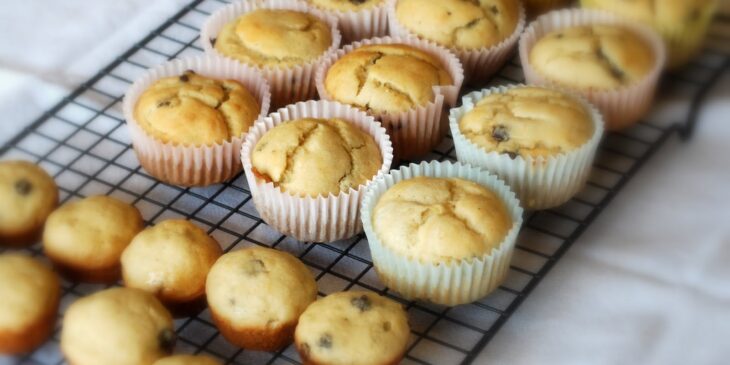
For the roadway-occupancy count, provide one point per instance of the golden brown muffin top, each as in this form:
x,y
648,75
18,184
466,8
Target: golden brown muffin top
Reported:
x,y
440,219
601,57
528,121
196,110
27,196
466,24
316,156
386,77
274,37
29,290
346,5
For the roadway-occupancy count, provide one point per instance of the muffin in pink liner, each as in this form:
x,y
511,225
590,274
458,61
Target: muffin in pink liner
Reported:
x,y
479,62
357,19
193,164
411,108
285,39
285,205
621,106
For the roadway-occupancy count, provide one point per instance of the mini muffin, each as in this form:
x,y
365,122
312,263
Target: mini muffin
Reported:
x,y
357,19
171,260
30,294
352,328
256,296
537,7
187,360
84,239
27,196
118,326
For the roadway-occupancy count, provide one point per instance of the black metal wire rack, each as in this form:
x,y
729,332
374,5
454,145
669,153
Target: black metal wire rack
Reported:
x,y
82,142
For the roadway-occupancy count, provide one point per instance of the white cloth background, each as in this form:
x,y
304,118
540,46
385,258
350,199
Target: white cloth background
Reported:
x,y
648,282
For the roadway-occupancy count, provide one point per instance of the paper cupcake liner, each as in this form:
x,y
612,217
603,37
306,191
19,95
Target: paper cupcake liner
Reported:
x,y
449,282
312,219
288,84
183,165
620,108
363,24
539,182
417,131
479,64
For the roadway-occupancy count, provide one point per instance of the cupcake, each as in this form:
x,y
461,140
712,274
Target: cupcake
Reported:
x,y
538,7
682,24
30,294
118,326
481,33
540,141
256,296
187,118
84,239
405,83
28,195
284,39
187,360
357,19
440,231
171,260
307,165
352,328
613,63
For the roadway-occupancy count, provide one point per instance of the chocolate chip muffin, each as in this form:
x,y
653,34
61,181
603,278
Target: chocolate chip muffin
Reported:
x,y
346,5
118,326
187,360
352,328
27,196
30,294
256,295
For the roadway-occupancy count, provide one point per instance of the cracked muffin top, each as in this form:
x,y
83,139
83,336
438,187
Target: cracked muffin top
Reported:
x,y
440,219
465,24
386,77
346,5
354,328
601,57
191,109
316,156
528,121
274,37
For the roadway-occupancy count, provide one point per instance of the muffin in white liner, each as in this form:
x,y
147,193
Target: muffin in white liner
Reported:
x,y
192,165
452,282
478,64
622,107
539,182
288,84
361,24
307,218
419,130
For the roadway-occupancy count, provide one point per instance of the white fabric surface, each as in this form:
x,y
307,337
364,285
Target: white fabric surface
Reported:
x,y
647,283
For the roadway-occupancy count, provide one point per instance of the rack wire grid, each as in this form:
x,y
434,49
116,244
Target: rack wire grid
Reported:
x,y
82,142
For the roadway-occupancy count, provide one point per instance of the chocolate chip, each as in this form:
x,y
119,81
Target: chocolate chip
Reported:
x,y
325,341
163,104
166,340
362,303
212,41
184,78
494,9
255,267
694,15
512,155
23,187
559,35
500,134
358,2
232,301
386,326
448,13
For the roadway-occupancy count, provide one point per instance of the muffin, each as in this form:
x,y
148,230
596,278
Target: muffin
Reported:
x,y
171,260
84,239
256,296
540,141
682,23
187,360
30,294
357,19
354,327
537,7
27,196
118,326
442,232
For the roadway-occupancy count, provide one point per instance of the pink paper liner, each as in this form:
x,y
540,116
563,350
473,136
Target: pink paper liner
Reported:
x,y
313,219
185,165
288,84
417,131
362,24
620,108
479,64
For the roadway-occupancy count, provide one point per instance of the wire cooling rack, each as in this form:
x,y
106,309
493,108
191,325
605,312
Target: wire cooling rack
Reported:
x,y
82,142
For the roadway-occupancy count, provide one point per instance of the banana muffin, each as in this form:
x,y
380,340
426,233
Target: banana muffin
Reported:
x,y
352,328
30,294
187,360
256,296
27,196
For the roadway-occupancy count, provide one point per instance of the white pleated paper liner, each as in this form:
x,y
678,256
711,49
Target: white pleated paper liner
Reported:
x,y
451,282
312,219
185,165
479,64
361,24
288,84
417,131
539,182
621,108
